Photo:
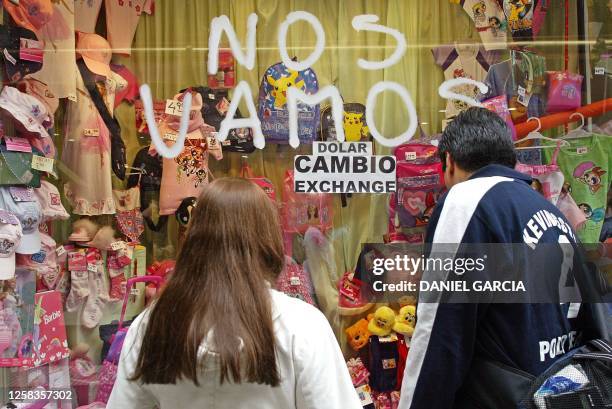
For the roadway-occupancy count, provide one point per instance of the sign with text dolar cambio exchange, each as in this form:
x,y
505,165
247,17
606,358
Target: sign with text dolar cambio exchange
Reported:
x,y
344,167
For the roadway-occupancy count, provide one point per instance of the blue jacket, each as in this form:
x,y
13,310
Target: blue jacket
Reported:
x,y
496,205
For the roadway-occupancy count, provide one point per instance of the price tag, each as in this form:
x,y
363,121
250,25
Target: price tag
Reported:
x,y
117,245
600,70
295,281
211,96
581,150
135,292
521,91
60,251
91,132
365,395
16,144
411,155
42,163
174,107
170,137
92,267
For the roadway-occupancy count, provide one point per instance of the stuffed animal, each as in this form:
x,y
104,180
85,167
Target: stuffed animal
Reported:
x,y
358,334
382,322
103,239
405,320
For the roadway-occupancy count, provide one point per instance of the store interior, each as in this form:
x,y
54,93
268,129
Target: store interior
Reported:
x,y
87,204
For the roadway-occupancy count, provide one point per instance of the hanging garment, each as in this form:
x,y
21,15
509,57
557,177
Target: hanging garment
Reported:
x,y
87,151
58,36
121,21
86,15
467,61
547,179
490,21
586,166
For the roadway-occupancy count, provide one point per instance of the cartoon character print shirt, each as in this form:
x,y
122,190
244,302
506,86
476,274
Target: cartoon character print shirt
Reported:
x,y
520,18
586,167
187,174
463,62
490,21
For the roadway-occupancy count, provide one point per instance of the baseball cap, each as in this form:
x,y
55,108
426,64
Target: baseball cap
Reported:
x,y
50,201
16,167
96,53
21,202
30,14
41,91
22,53
10,236
26,109
44,261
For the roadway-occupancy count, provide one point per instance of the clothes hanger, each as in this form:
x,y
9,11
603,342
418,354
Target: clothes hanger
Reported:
x,y
136,171
580,132
537,135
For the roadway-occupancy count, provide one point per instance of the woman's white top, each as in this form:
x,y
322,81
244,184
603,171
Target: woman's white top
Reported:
x,y
311,366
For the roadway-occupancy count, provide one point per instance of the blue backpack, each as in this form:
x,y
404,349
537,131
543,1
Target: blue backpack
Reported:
x,y
273,112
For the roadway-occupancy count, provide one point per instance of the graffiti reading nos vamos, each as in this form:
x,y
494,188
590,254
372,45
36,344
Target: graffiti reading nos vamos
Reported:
x,y
246,58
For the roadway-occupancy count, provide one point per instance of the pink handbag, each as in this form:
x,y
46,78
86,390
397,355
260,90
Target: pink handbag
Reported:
x,y
564,91
295,281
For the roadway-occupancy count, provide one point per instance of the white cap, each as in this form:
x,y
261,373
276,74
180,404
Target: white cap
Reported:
x,y
10,237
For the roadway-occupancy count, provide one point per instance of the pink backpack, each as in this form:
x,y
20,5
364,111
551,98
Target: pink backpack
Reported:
x,y
420,182
295,281
264,183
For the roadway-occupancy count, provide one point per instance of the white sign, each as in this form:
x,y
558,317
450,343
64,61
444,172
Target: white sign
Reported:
x,y
344,167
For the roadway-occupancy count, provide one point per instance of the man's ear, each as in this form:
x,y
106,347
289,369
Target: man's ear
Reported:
x,y
450,164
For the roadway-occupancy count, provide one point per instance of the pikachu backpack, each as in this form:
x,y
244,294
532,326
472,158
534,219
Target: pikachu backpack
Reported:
x,y
354,124
273,112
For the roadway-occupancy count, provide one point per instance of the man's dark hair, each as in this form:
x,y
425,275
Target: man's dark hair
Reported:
x,y
476,138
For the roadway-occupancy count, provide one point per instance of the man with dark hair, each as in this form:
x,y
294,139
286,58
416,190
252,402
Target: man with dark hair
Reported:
x,y
456,345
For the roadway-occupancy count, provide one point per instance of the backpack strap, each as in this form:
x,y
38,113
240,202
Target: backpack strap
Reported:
x,y
601,350
118,152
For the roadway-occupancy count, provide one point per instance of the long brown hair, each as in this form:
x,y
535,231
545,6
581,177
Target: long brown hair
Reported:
x,y
233,246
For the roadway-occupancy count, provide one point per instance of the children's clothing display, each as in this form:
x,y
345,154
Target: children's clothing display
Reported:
x,y
187,174
58,36
586,167
467,61
121,21
520,18
548,179
86,14
490,21
87,148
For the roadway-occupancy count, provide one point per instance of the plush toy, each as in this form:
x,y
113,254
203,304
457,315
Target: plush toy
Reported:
x,y
405,320
83,230
382,322
358,334
103,239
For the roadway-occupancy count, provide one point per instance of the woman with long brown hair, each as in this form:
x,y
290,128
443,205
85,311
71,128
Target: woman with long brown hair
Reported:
x,y
219,336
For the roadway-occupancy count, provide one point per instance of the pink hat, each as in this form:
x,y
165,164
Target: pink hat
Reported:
x,y
96,53
41,91
30,14
50,201
10,237
26,109
43,262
